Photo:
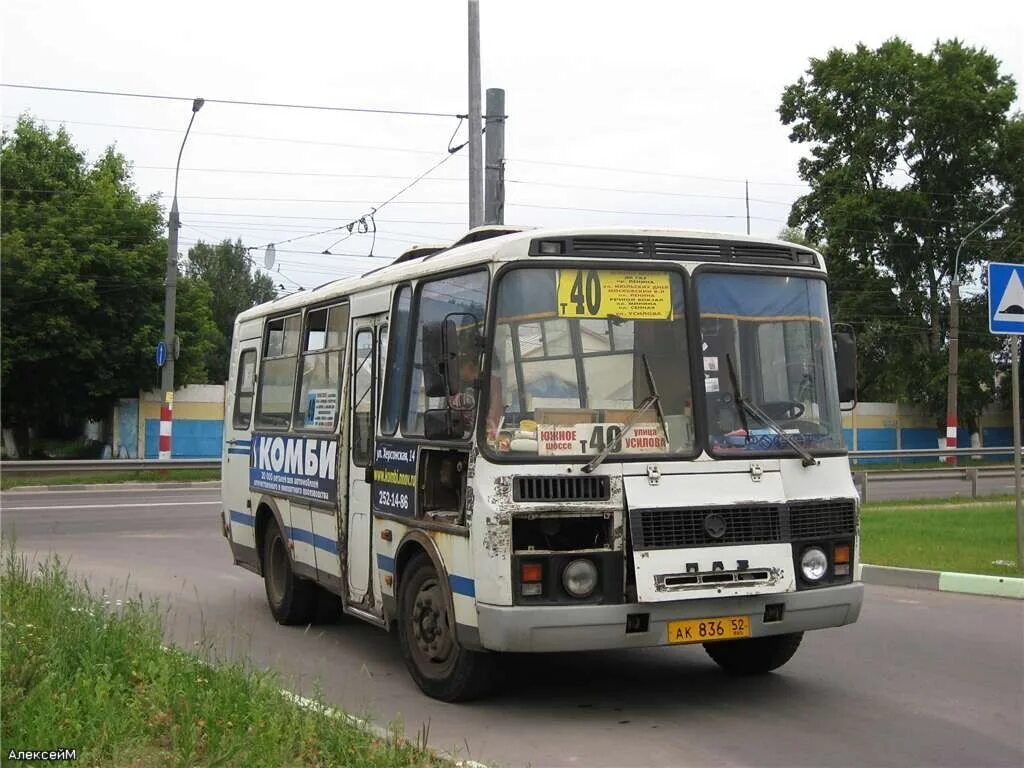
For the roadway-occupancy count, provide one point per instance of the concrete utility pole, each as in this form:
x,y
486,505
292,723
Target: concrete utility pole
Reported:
x,y
954,339
476,203
170,297
494,168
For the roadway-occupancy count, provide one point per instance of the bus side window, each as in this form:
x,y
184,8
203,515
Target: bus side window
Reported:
x,y
362,398
320,371
277,373
245,388
397,363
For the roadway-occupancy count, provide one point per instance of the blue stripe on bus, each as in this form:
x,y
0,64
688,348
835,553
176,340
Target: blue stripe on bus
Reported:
x,y
462,586
242,518
459,584
240,451
313,539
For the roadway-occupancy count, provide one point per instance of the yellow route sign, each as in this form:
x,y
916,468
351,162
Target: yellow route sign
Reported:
x,y
598,293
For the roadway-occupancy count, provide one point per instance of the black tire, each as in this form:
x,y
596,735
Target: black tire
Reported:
x,y
754,656
440,666
292,600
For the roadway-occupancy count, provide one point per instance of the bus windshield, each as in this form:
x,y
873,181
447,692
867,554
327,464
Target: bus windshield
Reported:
x,y
574,355
766,338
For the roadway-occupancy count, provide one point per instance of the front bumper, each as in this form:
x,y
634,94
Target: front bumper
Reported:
x,y
598,627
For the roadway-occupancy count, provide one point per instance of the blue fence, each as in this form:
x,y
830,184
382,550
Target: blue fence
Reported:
x,y
192,439
884,439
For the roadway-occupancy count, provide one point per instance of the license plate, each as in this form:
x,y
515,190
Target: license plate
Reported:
x,y
705,630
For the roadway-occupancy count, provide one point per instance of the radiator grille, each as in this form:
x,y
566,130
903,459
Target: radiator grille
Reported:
x,y
754,524
819,519
676,528
555,488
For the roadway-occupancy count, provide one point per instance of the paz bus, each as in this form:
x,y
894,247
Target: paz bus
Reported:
x,y
552,440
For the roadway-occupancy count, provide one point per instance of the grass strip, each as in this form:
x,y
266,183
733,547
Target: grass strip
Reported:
x,y
85,673
129,476
941,536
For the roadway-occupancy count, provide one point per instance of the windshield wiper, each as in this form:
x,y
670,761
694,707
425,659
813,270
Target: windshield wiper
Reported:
x,y
746,406
652,399
657,399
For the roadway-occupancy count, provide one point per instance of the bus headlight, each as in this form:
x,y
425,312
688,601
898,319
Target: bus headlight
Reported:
x,y
580,578
813,563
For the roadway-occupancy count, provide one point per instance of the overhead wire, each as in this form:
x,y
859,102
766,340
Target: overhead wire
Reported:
x,y
232,102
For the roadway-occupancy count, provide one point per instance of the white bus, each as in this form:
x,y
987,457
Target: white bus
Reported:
x,y
552,441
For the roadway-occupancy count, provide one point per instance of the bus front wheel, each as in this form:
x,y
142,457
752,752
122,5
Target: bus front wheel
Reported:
x,y
440,666
756,655
292,600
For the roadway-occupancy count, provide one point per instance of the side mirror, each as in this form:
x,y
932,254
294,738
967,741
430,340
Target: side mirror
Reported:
x,y
844,341
440,358
444,424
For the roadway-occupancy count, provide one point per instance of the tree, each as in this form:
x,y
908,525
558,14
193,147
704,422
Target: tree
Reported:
x,y
82,282
907,154
226,269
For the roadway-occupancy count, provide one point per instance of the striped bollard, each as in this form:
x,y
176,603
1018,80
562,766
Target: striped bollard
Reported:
x,y
951,439
166,423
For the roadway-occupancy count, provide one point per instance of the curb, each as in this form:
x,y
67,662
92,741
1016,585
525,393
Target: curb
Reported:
x,y
939,581
133,486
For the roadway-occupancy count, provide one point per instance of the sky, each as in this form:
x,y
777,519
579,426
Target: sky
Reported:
x,y
648,113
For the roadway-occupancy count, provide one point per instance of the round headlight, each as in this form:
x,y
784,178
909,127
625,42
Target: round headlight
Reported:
x,y
580,578
813,563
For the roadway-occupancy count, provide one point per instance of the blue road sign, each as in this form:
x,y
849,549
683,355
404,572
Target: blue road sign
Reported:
x,y
161,354
1005,298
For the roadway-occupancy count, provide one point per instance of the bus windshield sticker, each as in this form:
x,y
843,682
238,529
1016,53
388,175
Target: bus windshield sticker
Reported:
x,y
321,407
590,439
711,384
711,364
615,294
394,478
300,467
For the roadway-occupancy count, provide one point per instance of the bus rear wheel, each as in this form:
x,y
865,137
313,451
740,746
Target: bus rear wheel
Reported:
x,y
440,666
292,600
756,655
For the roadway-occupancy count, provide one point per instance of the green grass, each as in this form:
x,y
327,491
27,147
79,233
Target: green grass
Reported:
x,y
83,672
89,478
956,535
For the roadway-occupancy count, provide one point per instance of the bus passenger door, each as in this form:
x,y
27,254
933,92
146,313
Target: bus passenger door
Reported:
x,y
363,407
238,404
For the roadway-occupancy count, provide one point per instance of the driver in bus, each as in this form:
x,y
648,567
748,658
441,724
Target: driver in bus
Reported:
x,y
469,388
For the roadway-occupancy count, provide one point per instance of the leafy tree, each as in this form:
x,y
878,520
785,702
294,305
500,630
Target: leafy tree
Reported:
x,y
82,282
907,152
225,269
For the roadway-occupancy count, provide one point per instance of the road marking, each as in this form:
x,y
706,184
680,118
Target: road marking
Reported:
x,y
113,506
207,488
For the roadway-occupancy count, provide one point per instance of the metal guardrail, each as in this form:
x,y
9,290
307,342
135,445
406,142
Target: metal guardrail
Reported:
x,y
911,453
863,478
70,466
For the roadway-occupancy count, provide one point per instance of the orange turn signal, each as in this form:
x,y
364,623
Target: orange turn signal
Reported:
x,y
841,554
531,572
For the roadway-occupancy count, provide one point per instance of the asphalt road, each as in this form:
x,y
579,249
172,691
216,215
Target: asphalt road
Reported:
x,y
924,678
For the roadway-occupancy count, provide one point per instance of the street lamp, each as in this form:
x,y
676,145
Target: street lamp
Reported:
x,y
954,336
170,293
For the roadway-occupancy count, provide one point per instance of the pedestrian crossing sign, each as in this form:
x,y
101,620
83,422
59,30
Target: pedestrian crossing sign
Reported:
x,y
1006,298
